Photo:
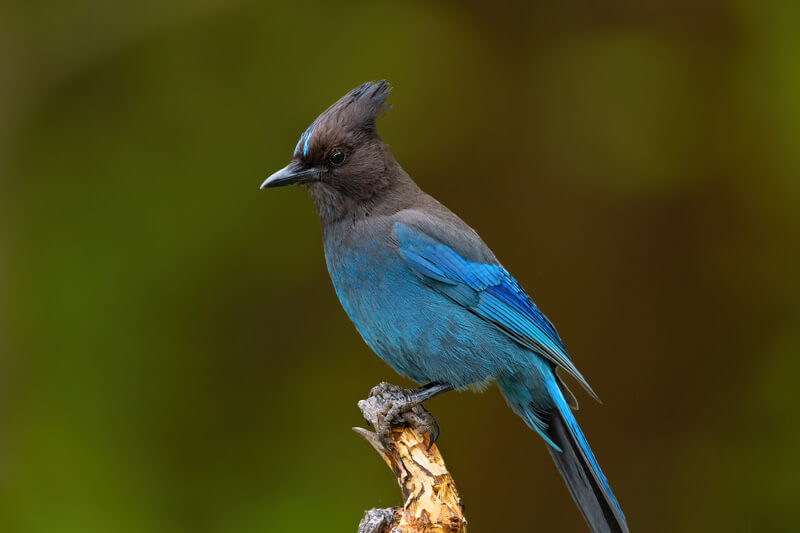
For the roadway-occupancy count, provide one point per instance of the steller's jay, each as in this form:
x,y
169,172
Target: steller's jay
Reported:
x,y
430,298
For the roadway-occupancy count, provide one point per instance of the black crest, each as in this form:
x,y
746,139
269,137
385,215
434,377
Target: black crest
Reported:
x,y
368,101
364,104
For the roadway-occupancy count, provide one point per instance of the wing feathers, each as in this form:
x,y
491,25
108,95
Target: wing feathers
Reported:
x,y
500,299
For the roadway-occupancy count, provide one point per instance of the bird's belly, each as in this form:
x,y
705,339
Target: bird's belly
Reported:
x,y
418,331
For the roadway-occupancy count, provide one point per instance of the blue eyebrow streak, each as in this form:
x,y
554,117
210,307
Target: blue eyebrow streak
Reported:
x,y
296,148
310,132
306,136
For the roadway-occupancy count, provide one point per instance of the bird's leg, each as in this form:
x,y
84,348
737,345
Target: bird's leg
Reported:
x,y
399,405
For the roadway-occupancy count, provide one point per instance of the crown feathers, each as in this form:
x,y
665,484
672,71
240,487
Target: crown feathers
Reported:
x,y
356,110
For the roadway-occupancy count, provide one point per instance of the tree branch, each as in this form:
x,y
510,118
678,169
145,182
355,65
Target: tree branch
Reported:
x,y
431,502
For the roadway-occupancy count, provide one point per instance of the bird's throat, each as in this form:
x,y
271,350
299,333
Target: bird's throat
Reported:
x,y
332,205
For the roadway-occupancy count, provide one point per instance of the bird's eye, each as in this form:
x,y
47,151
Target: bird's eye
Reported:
x,y
337,158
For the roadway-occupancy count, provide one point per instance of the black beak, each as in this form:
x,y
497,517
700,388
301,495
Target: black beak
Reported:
x,y
289,175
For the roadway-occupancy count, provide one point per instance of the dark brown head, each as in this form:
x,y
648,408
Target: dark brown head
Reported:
x,y
340,159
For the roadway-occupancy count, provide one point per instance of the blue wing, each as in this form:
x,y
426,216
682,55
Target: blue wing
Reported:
x,y
487,290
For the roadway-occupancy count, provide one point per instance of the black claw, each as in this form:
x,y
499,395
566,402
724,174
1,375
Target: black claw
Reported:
x,y
429,425
433,436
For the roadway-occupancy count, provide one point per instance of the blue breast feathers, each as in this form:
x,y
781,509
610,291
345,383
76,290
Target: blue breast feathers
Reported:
x,y
488,291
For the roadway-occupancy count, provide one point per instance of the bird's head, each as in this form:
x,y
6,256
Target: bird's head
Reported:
x,y
340,158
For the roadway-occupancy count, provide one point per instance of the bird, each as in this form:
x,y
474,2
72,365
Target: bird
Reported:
x,y
430,298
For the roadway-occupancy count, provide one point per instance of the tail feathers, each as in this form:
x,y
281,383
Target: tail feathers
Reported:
x,y
587,485
570,450
576,462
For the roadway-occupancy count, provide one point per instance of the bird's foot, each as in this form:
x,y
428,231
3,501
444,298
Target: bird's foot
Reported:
x,y
396,405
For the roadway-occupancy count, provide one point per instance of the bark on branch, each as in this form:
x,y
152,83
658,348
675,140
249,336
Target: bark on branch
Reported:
x,y
430,500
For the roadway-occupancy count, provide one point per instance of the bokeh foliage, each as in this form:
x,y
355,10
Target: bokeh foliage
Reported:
x,y
173,356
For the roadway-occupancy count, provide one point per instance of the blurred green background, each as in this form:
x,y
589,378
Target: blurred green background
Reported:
x,y
173,354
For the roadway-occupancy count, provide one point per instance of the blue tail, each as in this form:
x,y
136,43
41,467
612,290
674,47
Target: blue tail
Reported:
x,y
576,462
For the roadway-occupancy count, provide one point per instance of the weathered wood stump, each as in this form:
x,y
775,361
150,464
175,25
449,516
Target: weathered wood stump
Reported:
x,y
430,500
